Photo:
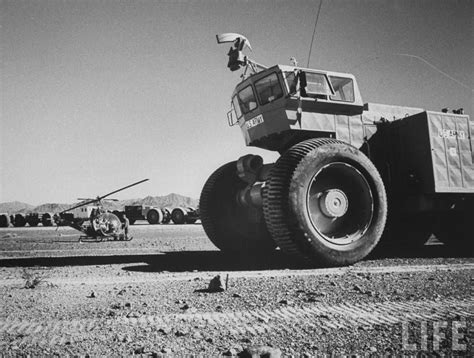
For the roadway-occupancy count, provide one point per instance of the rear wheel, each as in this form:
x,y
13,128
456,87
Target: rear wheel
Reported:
x,y
178,216
325,202
230,226
4,220
454,228
20,220
47,219
405,232
154,216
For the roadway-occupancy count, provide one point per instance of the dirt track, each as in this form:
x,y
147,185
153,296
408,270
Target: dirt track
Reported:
x,y
148,296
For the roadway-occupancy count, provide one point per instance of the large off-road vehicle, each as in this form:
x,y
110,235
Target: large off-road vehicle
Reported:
x,y
351,176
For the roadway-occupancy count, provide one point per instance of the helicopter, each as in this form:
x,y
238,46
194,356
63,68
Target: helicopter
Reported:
x,y
97,224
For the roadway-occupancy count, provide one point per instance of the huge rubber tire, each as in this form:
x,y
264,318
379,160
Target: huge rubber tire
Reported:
x,y
47,219
179,216
325,201
4,220
154,216
231,227
20,220
32,220
404,233
455,229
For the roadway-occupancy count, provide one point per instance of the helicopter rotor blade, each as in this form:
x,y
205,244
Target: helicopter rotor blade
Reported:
x,y
79,205
125,187
99,198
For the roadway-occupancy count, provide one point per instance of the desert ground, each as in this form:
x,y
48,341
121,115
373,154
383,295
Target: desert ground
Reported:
x,y
150,297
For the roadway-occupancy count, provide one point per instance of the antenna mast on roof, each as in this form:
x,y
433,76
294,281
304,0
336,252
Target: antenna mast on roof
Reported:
x,y
314,31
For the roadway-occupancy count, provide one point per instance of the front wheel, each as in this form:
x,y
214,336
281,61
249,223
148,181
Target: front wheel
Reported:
x,y
325,202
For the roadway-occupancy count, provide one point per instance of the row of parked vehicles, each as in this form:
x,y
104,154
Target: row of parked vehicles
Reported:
x,y
154,216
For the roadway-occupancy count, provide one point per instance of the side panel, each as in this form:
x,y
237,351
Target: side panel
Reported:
x,y
431,152
452,152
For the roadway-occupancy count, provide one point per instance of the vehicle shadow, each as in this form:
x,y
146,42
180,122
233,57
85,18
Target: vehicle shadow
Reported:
x,y
182,261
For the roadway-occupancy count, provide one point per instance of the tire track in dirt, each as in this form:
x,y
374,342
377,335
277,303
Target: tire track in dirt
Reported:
x,y
257,321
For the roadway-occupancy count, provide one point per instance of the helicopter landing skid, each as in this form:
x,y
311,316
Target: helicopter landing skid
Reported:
x,y
119,238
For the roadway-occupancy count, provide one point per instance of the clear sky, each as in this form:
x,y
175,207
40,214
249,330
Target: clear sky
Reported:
x,y
98,94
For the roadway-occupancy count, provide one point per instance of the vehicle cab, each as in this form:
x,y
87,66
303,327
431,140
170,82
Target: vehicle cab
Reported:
x,y
278,104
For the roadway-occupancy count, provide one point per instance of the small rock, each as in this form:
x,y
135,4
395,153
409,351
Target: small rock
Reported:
x,y
185,307
121,292
179,333
116,306
217,284
209,340
236,295
111,314
166,350
357,288
92,295
133,315
260,351
164,330
128,305
197,335
231,352
139,350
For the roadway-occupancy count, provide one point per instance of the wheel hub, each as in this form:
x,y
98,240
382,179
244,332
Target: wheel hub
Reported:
x,y
333,203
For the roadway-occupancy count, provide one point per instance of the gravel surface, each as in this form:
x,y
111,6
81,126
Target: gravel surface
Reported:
x,y
149,297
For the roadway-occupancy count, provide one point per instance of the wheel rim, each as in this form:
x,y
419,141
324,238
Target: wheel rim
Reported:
x,y
340,203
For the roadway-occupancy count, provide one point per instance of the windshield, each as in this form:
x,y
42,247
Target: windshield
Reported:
x,y
236,107
268,89
247,101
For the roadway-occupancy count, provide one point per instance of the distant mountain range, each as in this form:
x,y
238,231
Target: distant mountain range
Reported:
x,y
170,200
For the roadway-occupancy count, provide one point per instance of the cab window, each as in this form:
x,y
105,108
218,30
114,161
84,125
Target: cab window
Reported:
x,y
343,89
247,100
236,106
268,89
317,84
291,81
